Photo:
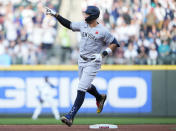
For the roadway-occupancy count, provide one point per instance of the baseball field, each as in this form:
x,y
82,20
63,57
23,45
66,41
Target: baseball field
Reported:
x,y
82,124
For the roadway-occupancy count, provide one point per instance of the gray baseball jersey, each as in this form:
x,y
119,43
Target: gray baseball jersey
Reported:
x,y
92,40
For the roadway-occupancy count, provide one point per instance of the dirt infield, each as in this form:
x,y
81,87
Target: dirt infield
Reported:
x,y
85,128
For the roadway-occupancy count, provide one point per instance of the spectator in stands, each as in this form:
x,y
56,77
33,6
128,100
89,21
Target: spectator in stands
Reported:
x,y
114,13
142,56
145,11
153,54
160,15
5,59
173,50
31,58
36,35
22,34
164,34
120,54
106,18
164,51
130,54
49,34
11,29
150,20
126,15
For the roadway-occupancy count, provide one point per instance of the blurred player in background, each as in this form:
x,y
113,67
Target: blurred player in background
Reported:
x,y
45,96
94,37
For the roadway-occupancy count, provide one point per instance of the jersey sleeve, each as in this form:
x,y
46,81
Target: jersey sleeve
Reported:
x,y
108,37
75,26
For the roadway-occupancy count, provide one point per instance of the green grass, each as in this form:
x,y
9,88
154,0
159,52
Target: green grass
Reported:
x,y
87,120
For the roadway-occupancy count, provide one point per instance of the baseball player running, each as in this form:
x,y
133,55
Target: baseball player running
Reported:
x,y
94,37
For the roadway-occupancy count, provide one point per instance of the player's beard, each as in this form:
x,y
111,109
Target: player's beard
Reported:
x,y
90,19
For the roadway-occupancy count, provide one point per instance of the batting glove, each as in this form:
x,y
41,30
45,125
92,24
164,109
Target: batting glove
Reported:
x,y
50,12
98,57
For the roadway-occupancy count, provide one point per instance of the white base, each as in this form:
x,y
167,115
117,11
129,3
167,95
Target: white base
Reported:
x,y
103,126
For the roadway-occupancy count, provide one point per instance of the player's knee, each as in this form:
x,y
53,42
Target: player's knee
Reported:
x,y
82,89
83,86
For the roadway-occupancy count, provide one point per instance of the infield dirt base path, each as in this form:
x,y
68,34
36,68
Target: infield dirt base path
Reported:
x,y
86,128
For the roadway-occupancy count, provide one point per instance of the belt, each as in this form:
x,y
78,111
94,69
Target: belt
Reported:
x,y
86,59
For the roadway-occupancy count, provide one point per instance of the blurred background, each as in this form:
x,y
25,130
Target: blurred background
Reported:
x,y
38,57
145,29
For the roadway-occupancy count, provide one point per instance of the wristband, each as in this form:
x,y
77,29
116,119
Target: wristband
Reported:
x,y
106,52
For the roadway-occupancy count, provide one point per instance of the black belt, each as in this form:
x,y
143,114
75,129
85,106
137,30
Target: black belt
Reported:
x,y
86,59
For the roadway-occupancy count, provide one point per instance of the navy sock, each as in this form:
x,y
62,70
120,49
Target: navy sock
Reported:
x,y
93,91
78,102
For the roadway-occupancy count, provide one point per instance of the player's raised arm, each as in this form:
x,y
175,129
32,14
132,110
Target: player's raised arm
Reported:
x,y
66,23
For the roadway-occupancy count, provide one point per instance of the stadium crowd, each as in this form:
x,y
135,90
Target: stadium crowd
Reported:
x,y
146,32
26,35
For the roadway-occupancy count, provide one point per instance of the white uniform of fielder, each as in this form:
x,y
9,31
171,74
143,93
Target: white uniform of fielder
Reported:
x,y
45,96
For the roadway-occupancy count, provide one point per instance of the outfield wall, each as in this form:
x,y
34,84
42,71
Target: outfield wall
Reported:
x,y
131,90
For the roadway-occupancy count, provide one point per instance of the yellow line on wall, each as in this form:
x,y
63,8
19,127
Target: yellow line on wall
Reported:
x,y
139,67
39,68
75,67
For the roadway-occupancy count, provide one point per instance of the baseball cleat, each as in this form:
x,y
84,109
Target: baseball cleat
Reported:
x,y
66,121
100,103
